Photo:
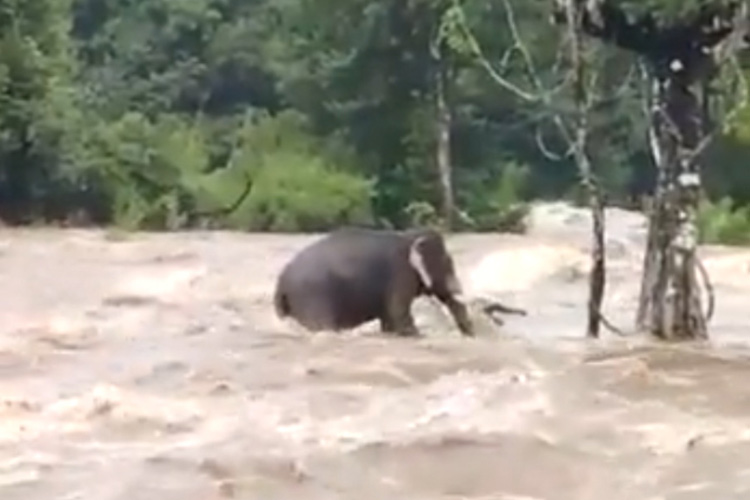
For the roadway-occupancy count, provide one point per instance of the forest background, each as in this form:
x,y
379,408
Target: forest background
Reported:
x,y
144,114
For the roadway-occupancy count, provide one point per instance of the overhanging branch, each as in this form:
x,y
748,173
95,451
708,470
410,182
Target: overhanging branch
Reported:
x,y
687,48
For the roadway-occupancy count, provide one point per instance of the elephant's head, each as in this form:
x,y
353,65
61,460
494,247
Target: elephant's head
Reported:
x,y
429,257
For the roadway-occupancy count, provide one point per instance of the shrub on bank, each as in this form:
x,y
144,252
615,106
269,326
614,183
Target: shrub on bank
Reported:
x,y
296,193
720,222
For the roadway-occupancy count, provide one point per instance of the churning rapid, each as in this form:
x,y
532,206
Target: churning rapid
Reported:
x,y
143,367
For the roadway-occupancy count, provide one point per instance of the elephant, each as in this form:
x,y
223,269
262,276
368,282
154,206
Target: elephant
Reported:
x,y
354,275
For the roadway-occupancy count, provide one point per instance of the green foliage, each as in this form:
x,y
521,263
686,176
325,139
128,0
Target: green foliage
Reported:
x,y
155,114
499,205
490,206
294,192
35,68
146,168
156,172
722,223
423,214
299,182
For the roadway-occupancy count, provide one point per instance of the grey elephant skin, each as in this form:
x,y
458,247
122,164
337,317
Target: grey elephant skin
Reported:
x,y
356,275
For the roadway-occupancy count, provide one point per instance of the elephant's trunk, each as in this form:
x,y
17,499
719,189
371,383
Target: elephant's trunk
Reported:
x,y
460,314
454,287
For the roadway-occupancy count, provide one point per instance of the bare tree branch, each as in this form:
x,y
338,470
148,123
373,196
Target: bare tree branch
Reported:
x,y
574,136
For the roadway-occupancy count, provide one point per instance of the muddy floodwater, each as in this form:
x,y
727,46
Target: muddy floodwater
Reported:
x,y
152,367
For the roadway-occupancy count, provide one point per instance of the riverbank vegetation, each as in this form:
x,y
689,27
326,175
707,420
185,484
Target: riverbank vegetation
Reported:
x,y
146,114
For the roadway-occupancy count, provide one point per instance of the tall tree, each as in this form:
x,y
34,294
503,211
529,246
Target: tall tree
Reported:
x,y
597,278
573,128
35,71
682,45
443,76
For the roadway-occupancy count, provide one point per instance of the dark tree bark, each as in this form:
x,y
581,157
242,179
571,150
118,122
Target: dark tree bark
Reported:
x,y
680,60
17,200
673,300
443,143
597,277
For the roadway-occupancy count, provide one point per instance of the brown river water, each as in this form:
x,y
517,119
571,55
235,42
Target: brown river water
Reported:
x,y
152,367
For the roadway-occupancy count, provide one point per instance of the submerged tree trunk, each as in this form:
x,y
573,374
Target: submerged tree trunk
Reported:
x,y
651,253
681,56
443,144
648,275
670,305
597,275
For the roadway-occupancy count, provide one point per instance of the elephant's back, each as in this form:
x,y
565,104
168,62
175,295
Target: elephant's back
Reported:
x,y
349,266
348,254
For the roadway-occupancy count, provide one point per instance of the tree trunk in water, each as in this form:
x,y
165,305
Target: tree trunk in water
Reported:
x,y
598,273
597,276
443,144
670,302
681,55
648,278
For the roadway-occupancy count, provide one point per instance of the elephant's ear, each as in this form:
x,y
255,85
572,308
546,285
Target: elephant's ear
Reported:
x,y
416,259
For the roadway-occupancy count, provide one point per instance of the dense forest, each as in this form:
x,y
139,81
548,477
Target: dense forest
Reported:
x,y
148,113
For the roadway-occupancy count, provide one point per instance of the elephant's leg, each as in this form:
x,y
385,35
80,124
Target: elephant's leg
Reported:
x,y
386,325
397,318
